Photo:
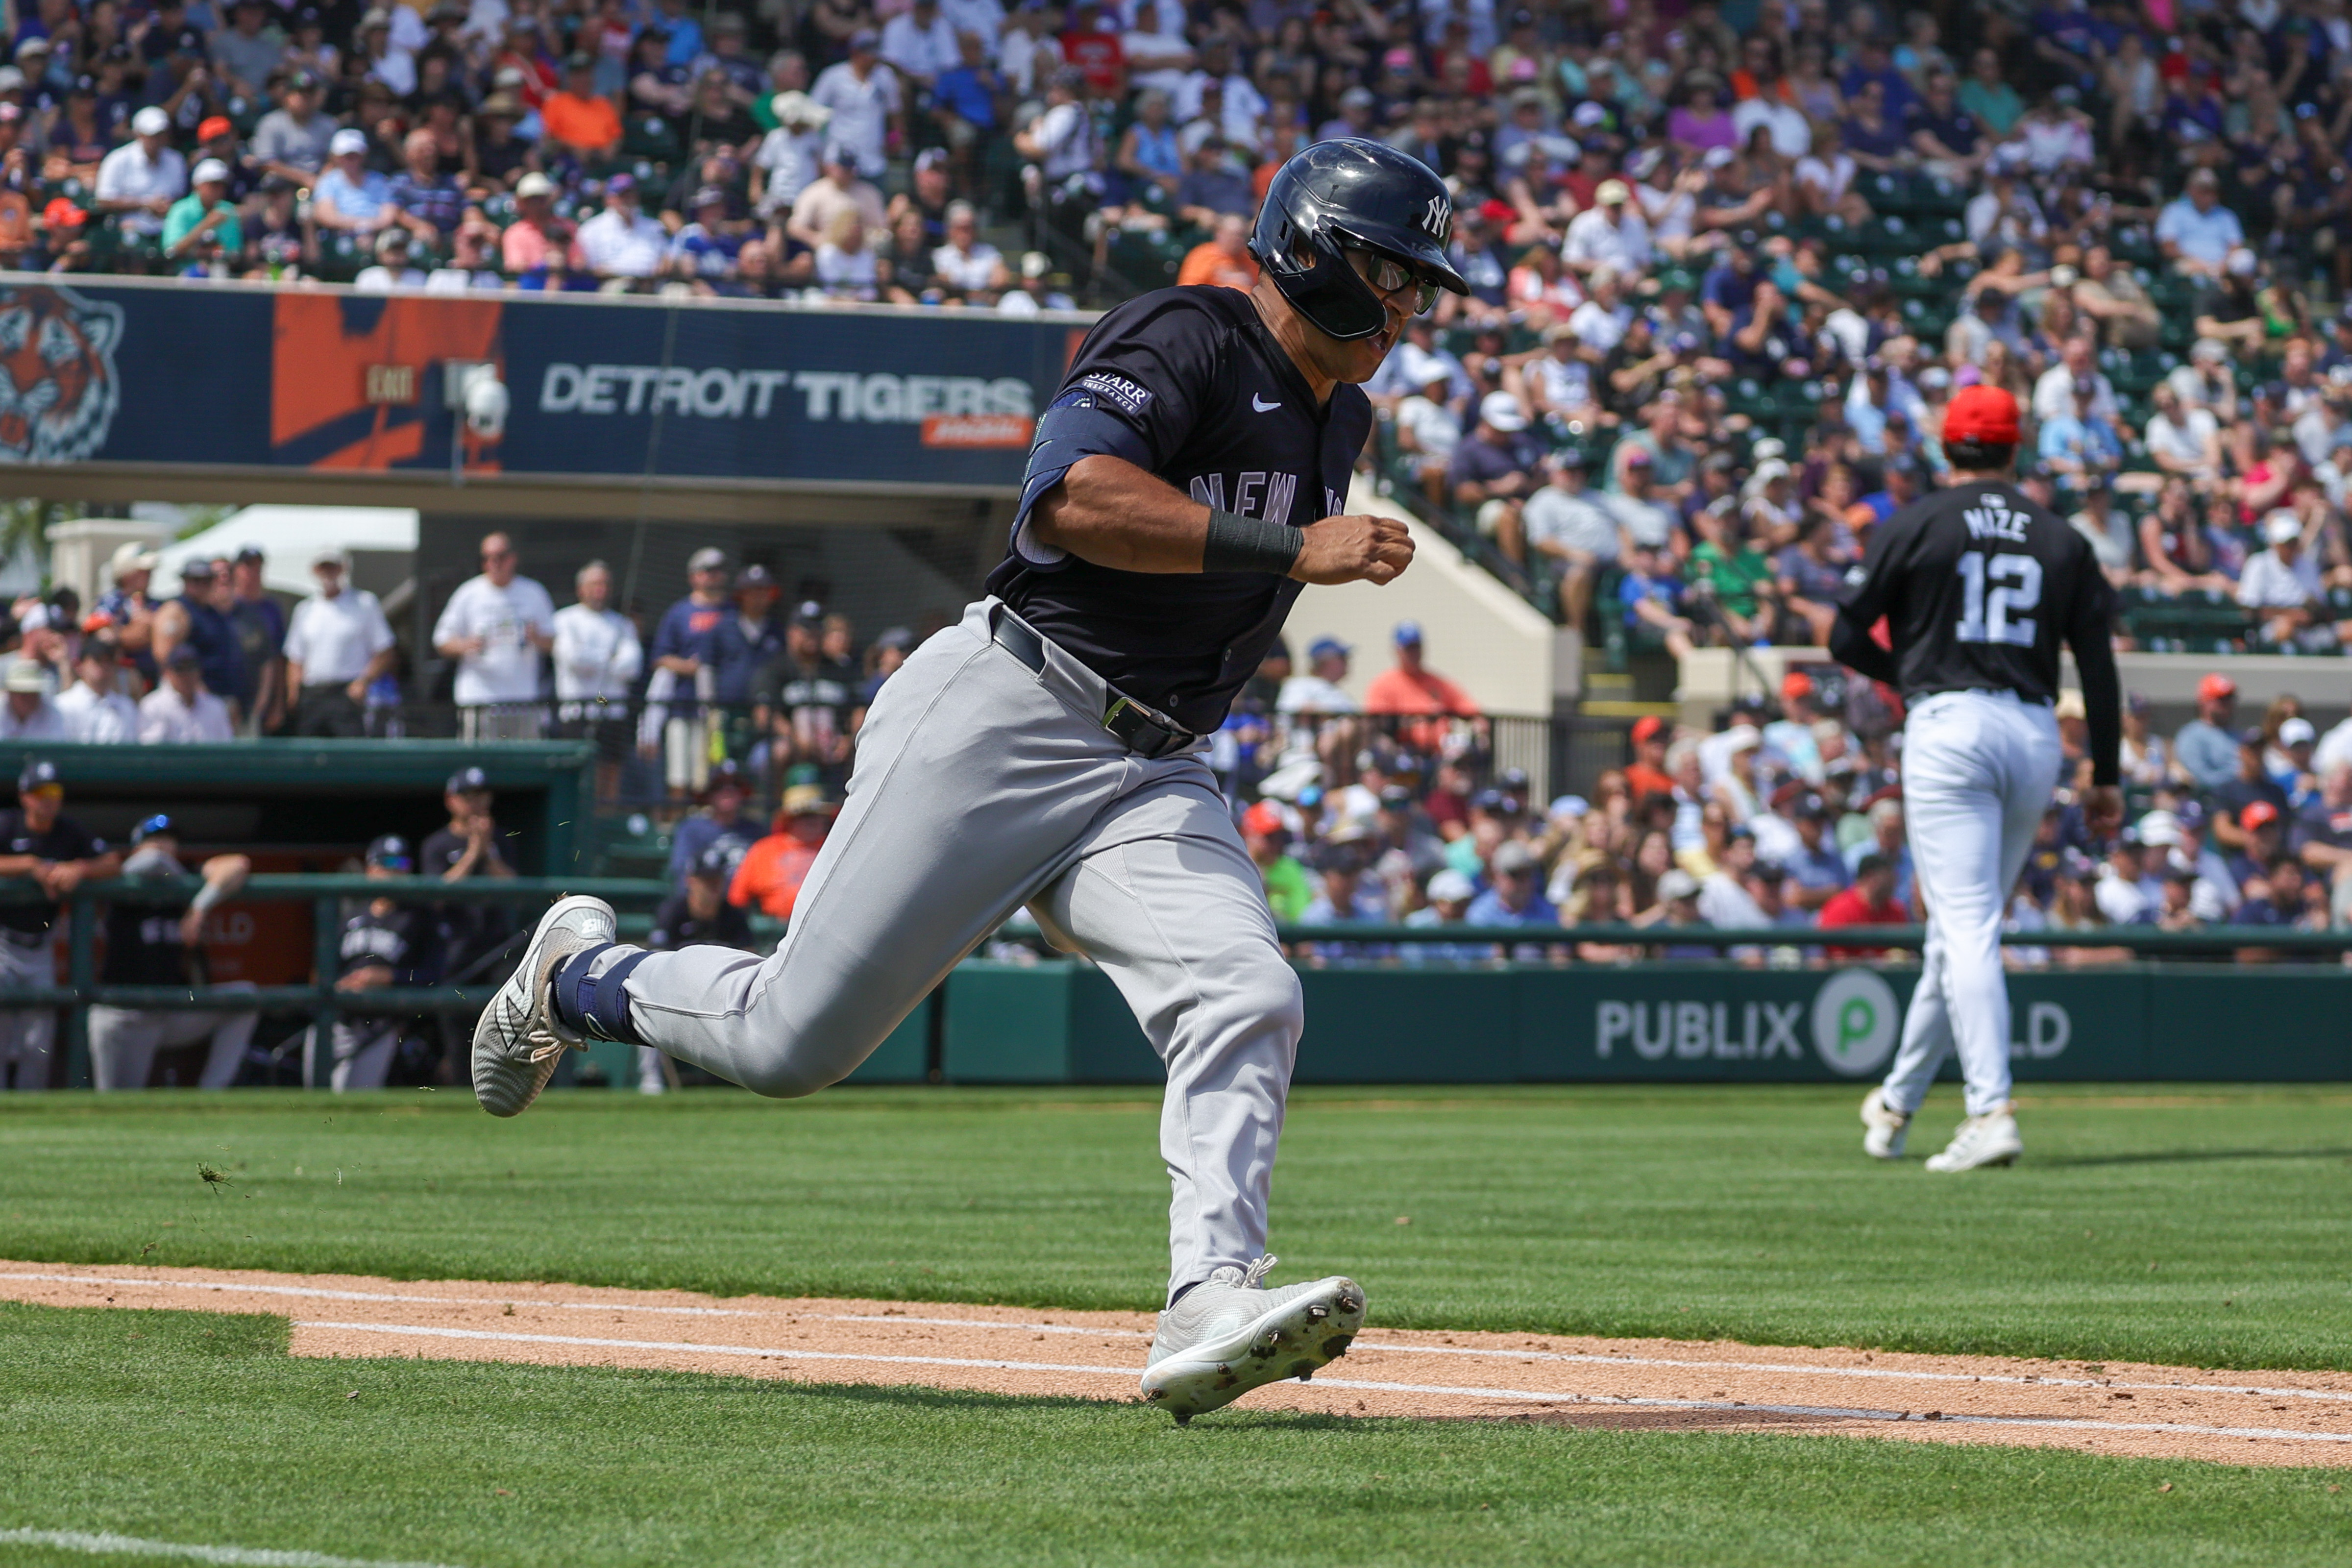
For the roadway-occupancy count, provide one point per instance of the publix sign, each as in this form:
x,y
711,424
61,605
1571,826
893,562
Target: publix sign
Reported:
x,y
1850,1024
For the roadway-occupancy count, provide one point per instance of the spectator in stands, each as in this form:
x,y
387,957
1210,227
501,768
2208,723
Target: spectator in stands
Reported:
x,y
1816,870
292,140
839,189
1493,472
2206,746
866,102
967,265
349,197
2321,838
1869,901
1318,690
202,229
579,122
2281,585
771,871
427,201
1224,258
1410,685
620,241
394,266
201,618
2195,232
1571,529
180,711
96,714
337,645
1642,510
1651,595
28,714
1514,896
1888,841
140,180
496,625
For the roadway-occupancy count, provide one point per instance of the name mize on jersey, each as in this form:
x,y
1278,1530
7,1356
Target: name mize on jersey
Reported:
x,y
1991,519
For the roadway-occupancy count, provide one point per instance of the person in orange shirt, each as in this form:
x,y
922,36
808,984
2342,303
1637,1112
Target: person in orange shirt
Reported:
x,y
1223,258
580,118
1412,686
773,869
1647,774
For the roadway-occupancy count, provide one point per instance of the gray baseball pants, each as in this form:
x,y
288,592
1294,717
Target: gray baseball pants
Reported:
x,y
123,1041
980,787
28,1039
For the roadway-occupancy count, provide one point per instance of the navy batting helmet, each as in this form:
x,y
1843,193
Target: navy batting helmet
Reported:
x,y
1354,195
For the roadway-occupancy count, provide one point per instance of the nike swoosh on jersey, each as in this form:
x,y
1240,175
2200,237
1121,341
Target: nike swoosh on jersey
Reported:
x,y
1260,403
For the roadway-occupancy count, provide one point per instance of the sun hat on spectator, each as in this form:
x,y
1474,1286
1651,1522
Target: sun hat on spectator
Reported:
x,y
534,185
346,142
1451,887
2279,526
1986,416
1613,193
152,120
131,557
26,675
1501,410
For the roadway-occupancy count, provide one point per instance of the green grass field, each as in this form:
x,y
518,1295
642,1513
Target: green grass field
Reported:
x,y
2195,1225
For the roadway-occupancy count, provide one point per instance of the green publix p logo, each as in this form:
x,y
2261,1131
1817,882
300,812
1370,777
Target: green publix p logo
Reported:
x,y
1854,1023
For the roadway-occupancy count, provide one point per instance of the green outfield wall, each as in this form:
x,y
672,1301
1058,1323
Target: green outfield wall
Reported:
x,y
1676,1023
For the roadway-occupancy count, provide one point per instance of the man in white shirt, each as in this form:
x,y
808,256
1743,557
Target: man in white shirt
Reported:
x,y
920,43
2076,373
96,714
1609,236
984,17
1569,525
1243,110
622,241
863,95
2281,585
496,625
2196,232
337,644
28,714
598,661
180,711
1792,137
1601,322
1318,691
142,179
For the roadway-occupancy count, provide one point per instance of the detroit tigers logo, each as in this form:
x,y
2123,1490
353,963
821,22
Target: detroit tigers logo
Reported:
x,y
1438,218
59,386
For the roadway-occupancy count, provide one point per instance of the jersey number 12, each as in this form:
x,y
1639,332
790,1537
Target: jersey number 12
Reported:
x,y
1995,594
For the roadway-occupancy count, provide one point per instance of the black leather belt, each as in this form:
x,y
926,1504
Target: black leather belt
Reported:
x,y
1146,733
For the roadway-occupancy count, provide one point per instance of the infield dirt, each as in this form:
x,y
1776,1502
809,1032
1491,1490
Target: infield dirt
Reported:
x,y
2237,1417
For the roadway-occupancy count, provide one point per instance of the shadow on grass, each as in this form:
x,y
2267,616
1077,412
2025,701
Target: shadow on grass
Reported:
x,y
2193,1156
914,1397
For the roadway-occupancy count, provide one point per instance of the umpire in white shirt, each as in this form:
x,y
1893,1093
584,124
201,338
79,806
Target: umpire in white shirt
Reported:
x,y
337,645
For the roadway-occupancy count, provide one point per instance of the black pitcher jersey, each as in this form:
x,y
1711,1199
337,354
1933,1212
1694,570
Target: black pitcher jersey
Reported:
x,y
1979,585
64,840
1225,415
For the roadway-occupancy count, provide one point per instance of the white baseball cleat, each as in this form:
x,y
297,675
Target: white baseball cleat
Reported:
x,y
1231,1334
517,1042
1887,1127
1988,1140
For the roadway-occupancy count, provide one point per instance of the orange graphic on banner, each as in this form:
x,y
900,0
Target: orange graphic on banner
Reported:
x,y
328,353
969,430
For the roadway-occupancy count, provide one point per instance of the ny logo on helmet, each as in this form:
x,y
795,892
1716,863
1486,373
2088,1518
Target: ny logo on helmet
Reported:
x,y
1439,217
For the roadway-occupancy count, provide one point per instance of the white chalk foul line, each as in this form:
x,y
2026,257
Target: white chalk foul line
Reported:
x,y
1893,1373
99,1542
1515,1395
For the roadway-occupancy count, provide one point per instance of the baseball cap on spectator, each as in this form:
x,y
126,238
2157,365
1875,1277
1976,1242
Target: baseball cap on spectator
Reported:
x,y
1639,457
1407,633
580,60
931,158
1647,726
2252,738
2240,262
1677,884
390,853
1984,414
1613,193
531,185
707,196
621,184
209,171
900,638
709,558
1501,410
2257,813
25,675
806,800
1451,887
346,142
183,656
199,569
1324,647
159,823
150,121
866,39
1264,820
2070,705
1571,806
2281,526
2297,732
754,576
1512,781
713,862
2215,688
2159,828
810,614
2211,350
466,781
1796,683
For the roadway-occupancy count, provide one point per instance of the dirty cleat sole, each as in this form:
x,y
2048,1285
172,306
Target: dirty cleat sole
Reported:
x,y
1295,1339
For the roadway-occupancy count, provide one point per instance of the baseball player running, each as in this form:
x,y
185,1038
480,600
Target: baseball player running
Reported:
x,y
156,944
1050,752
1978,586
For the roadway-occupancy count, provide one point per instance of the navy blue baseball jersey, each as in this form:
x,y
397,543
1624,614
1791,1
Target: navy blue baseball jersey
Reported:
x,y
1220,413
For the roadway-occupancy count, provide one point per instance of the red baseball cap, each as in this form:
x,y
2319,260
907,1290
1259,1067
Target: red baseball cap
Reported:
x,y
2216,687
2257,813
1262,819
1647,726
216,126
1796,683
1986,414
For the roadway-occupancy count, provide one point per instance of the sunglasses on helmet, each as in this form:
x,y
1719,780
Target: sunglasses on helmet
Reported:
x,y
1390,277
